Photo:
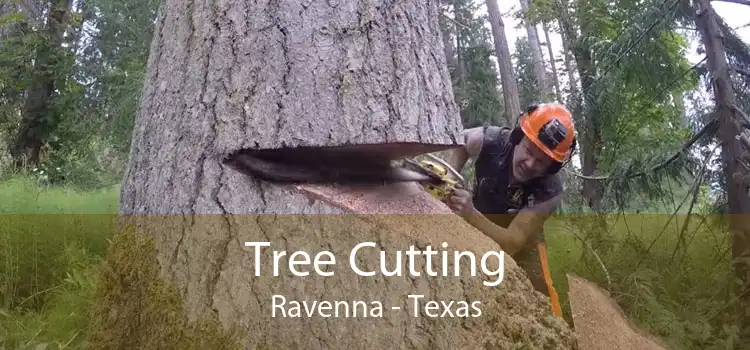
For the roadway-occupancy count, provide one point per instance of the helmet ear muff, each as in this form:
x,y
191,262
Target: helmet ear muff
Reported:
x,y
516,135
531,109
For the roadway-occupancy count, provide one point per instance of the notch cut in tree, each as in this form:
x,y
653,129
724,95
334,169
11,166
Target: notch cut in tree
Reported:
x,y
226,77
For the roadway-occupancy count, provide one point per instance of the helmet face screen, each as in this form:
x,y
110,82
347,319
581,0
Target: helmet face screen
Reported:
x,y
552,134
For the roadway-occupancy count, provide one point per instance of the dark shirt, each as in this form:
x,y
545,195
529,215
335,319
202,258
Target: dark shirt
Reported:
x,y
494,194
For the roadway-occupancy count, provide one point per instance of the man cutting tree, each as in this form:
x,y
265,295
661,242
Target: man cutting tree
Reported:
x,y
517,186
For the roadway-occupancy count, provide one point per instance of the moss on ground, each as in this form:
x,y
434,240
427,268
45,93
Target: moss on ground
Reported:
x,y
134,308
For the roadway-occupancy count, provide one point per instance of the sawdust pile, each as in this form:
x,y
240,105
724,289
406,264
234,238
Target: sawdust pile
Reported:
x,y
396,216
600,323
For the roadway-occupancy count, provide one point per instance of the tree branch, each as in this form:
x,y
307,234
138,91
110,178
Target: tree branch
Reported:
x,y
708,127
741,2
745,118
453,20
741,71
745,140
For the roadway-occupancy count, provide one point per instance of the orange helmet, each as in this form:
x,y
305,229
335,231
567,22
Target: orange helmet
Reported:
x,y
550,127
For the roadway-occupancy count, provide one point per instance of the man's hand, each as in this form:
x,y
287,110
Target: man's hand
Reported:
x,y
460,202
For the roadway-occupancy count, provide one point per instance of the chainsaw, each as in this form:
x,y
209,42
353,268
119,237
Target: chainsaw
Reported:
x,y
443,185
320,165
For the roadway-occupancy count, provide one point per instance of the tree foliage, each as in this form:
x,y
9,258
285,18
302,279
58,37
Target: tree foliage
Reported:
x,y
475,79
97,73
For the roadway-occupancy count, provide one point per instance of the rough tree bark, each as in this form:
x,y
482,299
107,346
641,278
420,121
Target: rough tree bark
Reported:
x,y
229,76
508,80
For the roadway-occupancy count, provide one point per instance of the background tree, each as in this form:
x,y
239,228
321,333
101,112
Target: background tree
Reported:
x,y
475,84
535,48
529,90
502,54
731,123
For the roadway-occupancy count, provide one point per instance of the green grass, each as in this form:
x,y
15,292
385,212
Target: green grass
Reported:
x,y
24,196
48,268
51,241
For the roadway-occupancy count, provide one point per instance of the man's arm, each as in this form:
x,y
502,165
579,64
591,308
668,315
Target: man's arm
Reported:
x,y
510,239
525,224
473,139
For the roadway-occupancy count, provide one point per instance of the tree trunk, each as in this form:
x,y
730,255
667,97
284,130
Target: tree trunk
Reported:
x,y
536,56
460,62
232,76
508,80
448,47
569,68
555,79
591,140
583,103
38,119
732,149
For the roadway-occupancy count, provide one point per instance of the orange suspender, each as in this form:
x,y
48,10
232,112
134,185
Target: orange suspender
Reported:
x,y
542,247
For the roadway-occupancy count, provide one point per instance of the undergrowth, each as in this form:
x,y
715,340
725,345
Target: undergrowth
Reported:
x,y
48,267
672,279
51,242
